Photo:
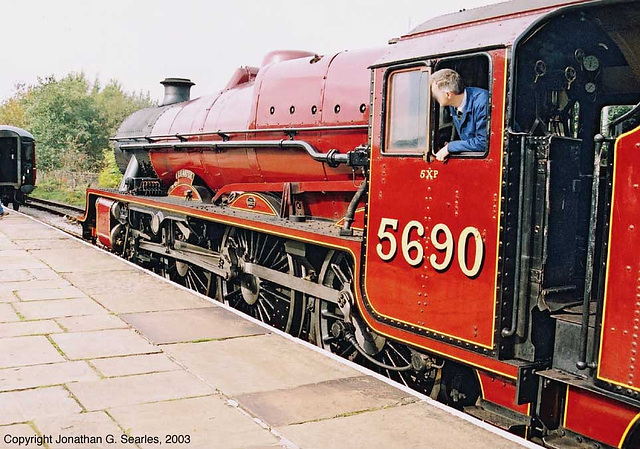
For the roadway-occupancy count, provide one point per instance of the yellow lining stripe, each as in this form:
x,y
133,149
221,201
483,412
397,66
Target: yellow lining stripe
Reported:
x,y
566,405
628,429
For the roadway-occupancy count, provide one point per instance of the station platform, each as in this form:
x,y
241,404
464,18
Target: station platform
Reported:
x,y
98,353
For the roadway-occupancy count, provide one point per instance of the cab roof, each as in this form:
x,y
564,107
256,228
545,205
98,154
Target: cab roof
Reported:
x,y
491,26
493,12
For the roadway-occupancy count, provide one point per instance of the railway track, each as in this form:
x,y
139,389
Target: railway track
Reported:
x,y
55,208
60,215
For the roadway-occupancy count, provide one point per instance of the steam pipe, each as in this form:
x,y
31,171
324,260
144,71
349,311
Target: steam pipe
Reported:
x,y
333,158
245,131
351,210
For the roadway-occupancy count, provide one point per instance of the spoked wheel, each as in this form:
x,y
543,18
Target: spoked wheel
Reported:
x,y
337,270
191,276
278,306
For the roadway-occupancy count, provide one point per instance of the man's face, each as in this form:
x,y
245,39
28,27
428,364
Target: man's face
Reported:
x,y
441,96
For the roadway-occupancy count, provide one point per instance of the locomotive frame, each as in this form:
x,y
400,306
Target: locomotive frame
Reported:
x,y
517,264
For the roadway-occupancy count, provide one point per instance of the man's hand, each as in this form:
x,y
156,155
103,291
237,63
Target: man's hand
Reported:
x,y
443,153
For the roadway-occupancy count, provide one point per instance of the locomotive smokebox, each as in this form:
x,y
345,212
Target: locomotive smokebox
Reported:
x,y
176,90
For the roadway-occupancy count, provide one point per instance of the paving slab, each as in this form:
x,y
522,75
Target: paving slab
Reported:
x,y
23,328
10,275
414,426
44,294
130,390
252,364
6,244
135,364
91,323
8,313
76,428
44,375
134,291
44,273
194,324
330,399
35,284
55,308
79,258
23,351
19,259
7,296
17,228
104,343
27,405
15,431
50,243
209,421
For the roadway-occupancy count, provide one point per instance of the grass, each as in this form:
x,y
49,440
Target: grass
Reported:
x,y
58,190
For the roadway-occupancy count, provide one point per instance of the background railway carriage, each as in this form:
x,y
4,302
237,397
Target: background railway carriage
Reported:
x,y
17,165
504,282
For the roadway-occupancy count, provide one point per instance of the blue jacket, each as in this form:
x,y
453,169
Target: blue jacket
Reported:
x,y
472,127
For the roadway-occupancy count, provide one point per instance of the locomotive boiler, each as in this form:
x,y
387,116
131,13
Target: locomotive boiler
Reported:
x,y
17,165
503,282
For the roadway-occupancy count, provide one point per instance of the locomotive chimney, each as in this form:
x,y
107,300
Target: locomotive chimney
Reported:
x,y
176,90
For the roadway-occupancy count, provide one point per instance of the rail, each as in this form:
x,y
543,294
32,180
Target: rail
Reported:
x,y
55,207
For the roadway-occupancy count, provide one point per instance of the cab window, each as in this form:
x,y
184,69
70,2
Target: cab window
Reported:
x,y
407,111
475,71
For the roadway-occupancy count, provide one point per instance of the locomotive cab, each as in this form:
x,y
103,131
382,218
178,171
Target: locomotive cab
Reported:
x,y
17,165
572,71
573,142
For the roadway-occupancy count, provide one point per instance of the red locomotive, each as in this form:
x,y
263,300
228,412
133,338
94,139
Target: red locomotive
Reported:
x,y
503,282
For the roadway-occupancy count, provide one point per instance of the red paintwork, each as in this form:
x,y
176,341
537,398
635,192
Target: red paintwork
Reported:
x,y
597,417
103,221
183,188
183,191
501,391
621,318
358,220
335,80
352,246
449,302
296,188
253,203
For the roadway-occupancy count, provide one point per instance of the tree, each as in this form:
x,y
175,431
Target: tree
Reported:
x,y
70,118
62,115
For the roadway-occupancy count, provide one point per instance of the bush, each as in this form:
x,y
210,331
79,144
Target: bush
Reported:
x,y
110,175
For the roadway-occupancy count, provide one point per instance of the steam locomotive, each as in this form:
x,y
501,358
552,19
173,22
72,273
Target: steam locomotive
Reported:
x,y
505,283
17,165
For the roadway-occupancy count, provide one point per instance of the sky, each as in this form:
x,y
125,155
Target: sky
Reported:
x,y
141,42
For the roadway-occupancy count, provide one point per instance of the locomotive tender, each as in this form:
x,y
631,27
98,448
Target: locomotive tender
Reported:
x,y
504,282
17,165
